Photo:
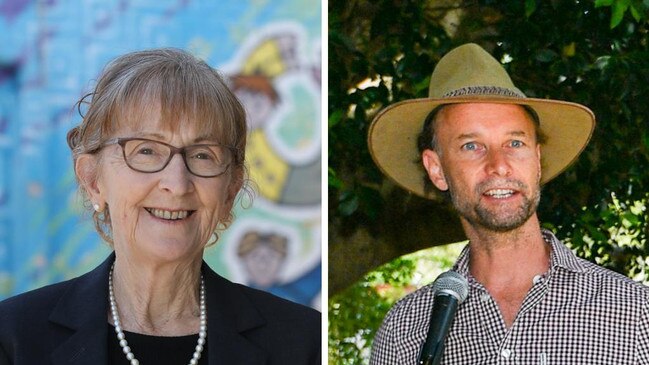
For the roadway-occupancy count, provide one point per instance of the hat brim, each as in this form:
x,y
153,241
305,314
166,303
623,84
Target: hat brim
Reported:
x,y
392,137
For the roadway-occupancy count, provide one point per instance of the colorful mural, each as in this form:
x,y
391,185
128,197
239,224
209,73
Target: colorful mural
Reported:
x,y
51,53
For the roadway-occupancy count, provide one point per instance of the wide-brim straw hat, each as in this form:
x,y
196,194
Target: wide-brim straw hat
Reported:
x,y
469,74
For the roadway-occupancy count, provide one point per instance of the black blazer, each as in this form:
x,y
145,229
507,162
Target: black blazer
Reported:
x,y
66,323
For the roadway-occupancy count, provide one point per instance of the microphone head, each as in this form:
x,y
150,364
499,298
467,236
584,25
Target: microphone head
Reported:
x,y
451,283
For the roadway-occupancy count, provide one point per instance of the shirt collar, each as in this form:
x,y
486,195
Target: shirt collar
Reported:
x,y
560,256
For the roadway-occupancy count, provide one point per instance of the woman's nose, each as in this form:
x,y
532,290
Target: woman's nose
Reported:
x,y
175,177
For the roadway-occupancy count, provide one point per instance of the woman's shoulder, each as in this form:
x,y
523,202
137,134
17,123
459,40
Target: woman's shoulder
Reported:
x,y
38,304
266,303
248,304
272,304
34,301
287,332
27,314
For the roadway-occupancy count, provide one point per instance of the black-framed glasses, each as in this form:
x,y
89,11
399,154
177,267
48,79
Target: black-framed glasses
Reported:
x,y
148,156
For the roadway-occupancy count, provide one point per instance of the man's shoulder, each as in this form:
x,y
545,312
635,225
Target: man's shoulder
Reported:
x,y
404,324
604,279
413,307
595,278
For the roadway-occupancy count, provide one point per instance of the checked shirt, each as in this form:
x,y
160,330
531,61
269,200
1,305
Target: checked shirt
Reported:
x,y
577,313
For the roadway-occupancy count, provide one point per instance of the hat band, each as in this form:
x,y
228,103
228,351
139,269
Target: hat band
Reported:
x,y
483,90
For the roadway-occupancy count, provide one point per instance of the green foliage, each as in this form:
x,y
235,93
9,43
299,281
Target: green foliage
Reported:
x,y
637,8
530,7
614,236
356,313
368,40
606,70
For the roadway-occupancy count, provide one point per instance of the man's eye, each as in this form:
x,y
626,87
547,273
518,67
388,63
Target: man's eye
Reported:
x,y
517,144
471,146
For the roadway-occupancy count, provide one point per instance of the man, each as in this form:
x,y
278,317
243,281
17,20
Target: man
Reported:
x,y
531,300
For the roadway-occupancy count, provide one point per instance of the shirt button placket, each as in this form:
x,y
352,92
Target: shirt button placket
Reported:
x,y
506,352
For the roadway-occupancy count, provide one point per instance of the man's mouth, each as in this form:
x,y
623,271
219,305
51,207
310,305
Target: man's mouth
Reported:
x,y
499,193
171,215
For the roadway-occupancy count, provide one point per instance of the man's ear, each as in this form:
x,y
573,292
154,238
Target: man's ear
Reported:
x,y
540,163
433,167
86,169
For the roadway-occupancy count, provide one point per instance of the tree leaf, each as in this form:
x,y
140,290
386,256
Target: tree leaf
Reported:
x,y
530,7
348,204
600,3
546,55
569,50
637,14
619,8
335,118
334,181
602,62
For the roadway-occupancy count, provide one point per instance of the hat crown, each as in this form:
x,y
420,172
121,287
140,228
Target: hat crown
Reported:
x,y
470,70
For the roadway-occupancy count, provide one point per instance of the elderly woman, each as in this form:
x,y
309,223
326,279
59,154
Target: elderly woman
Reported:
x,y
160,158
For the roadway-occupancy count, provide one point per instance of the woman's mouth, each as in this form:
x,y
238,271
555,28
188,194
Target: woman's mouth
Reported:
x,y
170,215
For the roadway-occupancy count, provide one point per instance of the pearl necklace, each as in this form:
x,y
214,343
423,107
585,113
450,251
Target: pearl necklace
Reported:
x,y
202,333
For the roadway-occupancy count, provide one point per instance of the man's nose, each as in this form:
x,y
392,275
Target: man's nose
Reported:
x,y
498,163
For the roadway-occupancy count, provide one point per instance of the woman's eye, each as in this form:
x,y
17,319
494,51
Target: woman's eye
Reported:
x,y
203,156
145,151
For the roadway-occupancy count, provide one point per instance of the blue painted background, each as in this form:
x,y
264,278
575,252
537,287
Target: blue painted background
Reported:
x,y
51,53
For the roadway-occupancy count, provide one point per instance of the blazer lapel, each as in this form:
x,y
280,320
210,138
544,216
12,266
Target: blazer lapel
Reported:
x,y
229,314
83,309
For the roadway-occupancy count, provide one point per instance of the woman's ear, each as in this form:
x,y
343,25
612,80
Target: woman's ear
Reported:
x,y
433,167
86,169
234,186
236,182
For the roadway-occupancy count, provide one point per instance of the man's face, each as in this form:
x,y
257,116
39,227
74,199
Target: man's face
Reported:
x,y
488,158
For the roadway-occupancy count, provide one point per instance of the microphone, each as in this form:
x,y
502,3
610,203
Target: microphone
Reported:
x,y
450,289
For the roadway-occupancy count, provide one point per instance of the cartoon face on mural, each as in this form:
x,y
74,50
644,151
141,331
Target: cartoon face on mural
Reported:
x,y
263,256
259,96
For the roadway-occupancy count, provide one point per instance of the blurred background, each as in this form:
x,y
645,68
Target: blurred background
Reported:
x,y
593,52
51,53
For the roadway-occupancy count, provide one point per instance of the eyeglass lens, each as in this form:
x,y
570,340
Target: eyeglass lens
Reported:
x,y
201,160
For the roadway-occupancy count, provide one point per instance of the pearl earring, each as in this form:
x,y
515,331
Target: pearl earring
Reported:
x,y
96,207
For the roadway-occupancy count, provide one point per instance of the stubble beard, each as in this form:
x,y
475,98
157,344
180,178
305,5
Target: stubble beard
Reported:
x,y
499,219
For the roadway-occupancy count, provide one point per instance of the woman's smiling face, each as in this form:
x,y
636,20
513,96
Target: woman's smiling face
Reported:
x,y
167,215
